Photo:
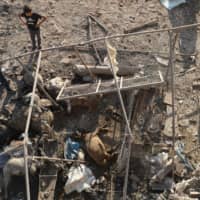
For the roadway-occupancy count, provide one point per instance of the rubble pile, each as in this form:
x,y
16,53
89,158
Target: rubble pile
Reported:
x,y
105,123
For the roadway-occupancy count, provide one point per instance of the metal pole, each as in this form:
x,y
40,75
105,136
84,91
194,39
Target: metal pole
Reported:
x,y
54,159
178,28
27,128
131,101
171,65
119,93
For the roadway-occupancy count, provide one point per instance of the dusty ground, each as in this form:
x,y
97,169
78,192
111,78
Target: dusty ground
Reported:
x,y
67,24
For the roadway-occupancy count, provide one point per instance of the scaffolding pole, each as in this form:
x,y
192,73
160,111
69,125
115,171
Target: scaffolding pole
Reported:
x,y
172,84
178,28
119,92
27,128
130,108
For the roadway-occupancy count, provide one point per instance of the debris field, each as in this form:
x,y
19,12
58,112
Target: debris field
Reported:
x,y
108,109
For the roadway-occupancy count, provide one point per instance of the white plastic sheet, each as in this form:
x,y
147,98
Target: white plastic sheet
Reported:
x,y
79,178
170,4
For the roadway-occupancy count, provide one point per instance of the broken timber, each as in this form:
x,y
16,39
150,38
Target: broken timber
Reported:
x,y
105,70
102,87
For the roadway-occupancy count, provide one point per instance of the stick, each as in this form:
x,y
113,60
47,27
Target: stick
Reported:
x,y
178,28
78,55
143,26
99,23
90,38
47,95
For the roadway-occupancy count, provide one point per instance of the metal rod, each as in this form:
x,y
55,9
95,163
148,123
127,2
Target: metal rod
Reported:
x,y
131,102
198,116
173,48
178,28
54,159
27,128
119,92
171,65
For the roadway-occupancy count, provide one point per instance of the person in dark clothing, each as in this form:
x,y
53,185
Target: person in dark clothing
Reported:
x,y
33,22
4,82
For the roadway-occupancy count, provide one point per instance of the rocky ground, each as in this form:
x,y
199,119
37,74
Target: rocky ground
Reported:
x,y
66,24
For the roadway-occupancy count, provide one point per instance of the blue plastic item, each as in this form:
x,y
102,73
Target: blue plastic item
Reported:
x,y
71,149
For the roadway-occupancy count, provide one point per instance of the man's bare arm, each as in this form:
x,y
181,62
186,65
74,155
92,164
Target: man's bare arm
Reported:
x,y
22,20
41,21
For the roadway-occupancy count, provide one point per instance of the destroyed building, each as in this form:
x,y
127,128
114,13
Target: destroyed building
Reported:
x,y
108,108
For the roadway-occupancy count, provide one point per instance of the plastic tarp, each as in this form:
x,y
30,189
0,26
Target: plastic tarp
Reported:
x,y
170,4
79,178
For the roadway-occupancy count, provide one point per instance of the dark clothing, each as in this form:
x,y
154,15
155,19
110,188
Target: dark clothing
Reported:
x,y
34,31
32,20
4,81
35,34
